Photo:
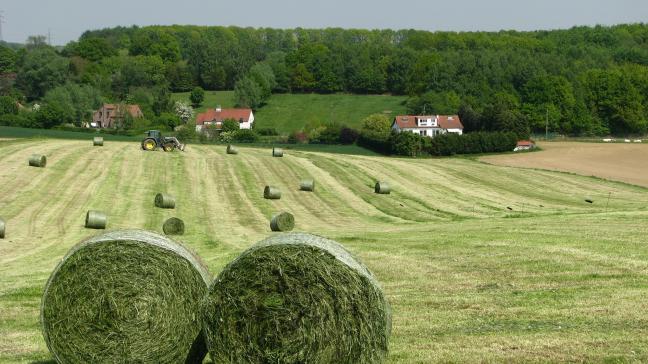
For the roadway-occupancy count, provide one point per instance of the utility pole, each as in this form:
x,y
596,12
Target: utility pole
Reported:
x,y
1,21
546,123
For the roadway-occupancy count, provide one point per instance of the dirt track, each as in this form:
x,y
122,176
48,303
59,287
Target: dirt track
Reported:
x,y
620,162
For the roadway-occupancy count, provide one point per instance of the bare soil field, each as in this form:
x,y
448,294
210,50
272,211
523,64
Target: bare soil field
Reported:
x,y
615,161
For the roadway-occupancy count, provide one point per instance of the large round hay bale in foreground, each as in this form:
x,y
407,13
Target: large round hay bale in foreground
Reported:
x,y
173,226
307,185
164,201
97,141
277,152
271,193
283,221
37,160
231,149
127,296
382,188
296,298
96,220
2,228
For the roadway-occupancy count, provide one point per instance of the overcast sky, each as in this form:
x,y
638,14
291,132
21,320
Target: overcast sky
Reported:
x,y
67,19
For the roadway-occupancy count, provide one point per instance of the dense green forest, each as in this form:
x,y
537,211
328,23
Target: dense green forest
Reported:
x,y
584,80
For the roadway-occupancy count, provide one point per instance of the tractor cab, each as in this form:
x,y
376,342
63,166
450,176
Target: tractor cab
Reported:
x,y
155,134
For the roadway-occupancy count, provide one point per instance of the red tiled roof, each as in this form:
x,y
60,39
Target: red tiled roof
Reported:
x,y
444,121
134,110
211,115
525,143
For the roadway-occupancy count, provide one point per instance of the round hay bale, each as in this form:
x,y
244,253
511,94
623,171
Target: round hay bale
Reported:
x,y
126,296
382,188
283,221
307,185
173,226
96,220
37,160
277,152
232,149
589,200
271,193
296,298
97,141
2,228
164,201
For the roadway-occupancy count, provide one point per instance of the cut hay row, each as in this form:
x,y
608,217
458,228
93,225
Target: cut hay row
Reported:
x,y
127,296
283,221
173,226
255,311
232,149
277,152
271,193
37,160
2,228
307,185
96,220
97,141
164,201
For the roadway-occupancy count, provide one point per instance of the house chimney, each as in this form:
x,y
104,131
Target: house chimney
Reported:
x,y
218,108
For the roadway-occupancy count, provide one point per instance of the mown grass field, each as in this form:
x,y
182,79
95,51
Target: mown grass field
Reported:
x,y
290,112
480,263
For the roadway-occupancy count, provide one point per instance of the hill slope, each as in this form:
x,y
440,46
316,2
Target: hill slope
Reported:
x,y
468,279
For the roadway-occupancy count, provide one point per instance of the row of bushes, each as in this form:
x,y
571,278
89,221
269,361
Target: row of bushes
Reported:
x,y
413,145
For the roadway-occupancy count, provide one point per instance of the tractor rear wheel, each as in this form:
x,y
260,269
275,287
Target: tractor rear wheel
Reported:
x,y
168,147
149,144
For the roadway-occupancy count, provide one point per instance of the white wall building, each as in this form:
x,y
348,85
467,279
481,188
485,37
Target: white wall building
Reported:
x,y
428,125
216,116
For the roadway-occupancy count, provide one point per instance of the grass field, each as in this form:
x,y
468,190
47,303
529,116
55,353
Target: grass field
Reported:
x,y
289,112
481,263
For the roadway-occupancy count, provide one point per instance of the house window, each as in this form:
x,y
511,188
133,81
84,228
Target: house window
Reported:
x,y
423,132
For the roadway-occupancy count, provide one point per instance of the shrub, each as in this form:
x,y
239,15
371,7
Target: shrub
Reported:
x,y
246,136
348,135
267,131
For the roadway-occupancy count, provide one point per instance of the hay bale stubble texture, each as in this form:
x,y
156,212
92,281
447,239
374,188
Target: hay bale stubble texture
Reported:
x,y
173,226
97,141
382,188
127,296
37,160
271,193
96,220
277,152
307,185
164,201
283,221
232,149
296,298
2,228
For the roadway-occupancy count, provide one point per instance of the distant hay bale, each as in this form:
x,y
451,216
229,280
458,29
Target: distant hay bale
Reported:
x,y
382,188
95,220
164,201
277,152
97,141
589,200
232,149
37,160
173,226
307,185
271,193
283,221
127,296
2,228
296,298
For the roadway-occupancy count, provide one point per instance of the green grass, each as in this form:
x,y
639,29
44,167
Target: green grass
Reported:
x,y
562,281
289,112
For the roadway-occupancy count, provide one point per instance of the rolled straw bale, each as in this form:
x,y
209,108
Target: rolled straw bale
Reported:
x,y
126,296
173,226
589,200
2,228
296,298
277,152
307,185
231,149
271,193
97,141
283,221
382,187
95,220
37,160
164,201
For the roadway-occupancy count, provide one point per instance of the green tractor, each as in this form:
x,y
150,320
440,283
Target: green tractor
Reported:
x,y
154,140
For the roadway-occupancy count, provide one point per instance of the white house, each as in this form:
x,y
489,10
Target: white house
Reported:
x,y
428,125
216,116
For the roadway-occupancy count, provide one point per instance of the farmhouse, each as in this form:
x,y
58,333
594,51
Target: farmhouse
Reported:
x,y
112,115
216,116
428,125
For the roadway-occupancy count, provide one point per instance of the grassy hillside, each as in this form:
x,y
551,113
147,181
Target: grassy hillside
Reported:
x,y
289,112
480,263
